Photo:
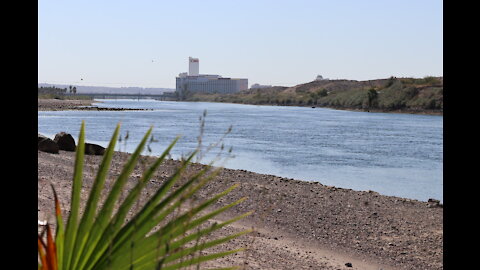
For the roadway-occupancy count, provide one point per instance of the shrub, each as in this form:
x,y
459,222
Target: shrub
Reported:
x,y
391,81
323,93
431,80
372,98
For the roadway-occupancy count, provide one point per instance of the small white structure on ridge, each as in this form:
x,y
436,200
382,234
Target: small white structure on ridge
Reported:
x,y
256,85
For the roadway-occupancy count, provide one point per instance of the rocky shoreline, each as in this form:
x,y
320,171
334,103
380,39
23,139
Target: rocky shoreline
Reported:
x,y
409,111
298,224
86,105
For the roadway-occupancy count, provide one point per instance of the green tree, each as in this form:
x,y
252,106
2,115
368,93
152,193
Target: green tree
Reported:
x,y
391,81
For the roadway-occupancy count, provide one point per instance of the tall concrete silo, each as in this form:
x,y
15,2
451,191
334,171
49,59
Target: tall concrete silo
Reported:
x,y
193,69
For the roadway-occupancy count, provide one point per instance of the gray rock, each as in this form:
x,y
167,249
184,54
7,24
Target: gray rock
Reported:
x,y
65,141
41,137
48,145
94,149
433,203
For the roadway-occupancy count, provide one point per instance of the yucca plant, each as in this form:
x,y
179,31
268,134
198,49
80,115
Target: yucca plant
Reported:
x,y
103,239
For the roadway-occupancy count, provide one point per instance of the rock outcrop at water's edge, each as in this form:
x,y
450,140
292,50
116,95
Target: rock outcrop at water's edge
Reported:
x,y
65,141
41,137
94,149
48,145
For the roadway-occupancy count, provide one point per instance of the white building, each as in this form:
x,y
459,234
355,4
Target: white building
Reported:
x,y
320,78
194,82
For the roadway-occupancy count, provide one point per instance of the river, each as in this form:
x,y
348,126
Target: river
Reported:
x,y
393,154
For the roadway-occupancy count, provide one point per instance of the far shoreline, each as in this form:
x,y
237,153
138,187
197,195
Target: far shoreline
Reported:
x,y
423,112
78,105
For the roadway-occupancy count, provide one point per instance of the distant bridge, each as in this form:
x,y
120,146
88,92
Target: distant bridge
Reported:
x,y
164,96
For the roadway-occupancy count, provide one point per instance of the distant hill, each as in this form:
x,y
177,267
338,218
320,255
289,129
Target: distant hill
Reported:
x,y
414,95
110,90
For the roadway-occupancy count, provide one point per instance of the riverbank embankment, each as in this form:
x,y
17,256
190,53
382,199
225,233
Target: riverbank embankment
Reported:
x,y
298,224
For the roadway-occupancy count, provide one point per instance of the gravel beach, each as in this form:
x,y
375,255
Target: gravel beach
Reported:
x,y
58,104
70,104
297,224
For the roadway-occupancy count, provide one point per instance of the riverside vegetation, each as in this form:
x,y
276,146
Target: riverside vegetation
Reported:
x,y
413,95
61,93
162,235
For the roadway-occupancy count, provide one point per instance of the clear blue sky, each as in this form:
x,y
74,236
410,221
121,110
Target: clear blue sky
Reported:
x,y
113,43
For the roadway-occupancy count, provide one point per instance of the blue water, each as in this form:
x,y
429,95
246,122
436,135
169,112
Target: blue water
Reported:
x,y
393,154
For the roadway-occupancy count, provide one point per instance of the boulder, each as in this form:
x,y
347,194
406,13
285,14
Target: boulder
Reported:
x,y
41,137
94,149
434,203
48,145
65,141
